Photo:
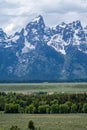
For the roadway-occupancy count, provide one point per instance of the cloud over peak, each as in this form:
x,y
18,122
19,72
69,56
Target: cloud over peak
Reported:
x,y
16,13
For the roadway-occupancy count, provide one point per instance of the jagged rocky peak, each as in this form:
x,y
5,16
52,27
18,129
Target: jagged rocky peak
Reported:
x,y
58,29
2,34
77,24
36,23
74,25
62,25
22,32
19,33
38,19
38,52
85,27
18,37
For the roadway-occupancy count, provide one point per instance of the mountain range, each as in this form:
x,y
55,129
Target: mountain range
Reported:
x,y
44,54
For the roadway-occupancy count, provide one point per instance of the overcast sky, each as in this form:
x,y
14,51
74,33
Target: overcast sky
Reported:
x,y
15,14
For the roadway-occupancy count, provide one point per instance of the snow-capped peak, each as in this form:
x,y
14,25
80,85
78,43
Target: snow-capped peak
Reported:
x,y
58,37
63,25
37,19
3,35
40,53
77,24
36,23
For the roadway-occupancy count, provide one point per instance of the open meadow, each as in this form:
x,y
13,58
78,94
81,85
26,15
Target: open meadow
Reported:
x,y
44,87
45,121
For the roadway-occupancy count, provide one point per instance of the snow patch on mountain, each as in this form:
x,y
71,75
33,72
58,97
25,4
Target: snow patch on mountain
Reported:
x,y
84,51
76,40
62,25
25,33
45,53
28,46
8,45
34,31
12,39
57,43
15,38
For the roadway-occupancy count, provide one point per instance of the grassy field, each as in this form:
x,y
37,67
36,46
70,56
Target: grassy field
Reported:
x,y
45,122
44,87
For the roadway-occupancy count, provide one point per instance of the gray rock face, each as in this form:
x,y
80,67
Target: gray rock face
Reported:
x,y
40,53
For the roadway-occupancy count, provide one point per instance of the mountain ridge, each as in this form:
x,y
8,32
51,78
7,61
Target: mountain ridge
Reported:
x,y
41,53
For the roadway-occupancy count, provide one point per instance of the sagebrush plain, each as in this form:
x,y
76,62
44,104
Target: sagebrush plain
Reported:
x,y
45,121
44,87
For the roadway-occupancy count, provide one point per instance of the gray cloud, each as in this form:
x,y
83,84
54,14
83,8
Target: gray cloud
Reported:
x,y
17,13
65,6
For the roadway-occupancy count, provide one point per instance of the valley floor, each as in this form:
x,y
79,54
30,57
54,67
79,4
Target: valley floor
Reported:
x,y
45,121
29,88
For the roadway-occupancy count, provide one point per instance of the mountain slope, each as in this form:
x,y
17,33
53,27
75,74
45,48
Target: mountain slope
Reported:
x,y
40,53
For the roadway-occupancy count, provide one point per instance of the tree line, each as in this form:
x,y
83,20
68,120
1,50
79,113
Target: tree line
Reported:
x,y
43,103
